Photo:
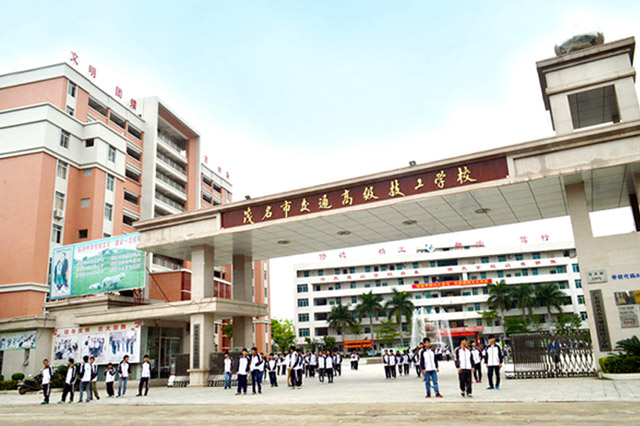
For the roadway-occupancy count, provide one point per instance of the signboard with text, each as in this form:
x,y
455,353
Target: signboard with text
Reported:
x,y
370,192
452,283
100,266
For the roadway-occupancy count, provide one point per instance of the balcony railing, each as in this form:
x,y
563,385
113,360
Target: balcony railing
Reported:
x,y
174,165
168,201
180,151
172,183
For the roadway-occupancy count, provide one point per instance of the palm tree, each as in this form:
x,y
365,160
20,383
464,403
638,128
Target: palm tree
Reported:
x,y
399,305
370,306
500,298
340,318
551,297
524,298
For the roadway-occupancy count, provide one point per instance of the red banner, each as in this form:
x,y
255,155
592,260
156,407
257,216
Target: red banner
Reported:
x,y
353,344
452,283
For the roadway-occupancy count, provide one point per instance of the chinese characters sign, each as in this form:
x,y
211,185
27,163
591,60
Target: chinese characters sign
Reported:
x,y
99,266
452,283
370,192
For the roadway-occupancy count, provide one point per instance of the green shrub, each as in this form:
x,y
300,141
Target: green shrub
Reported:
x,y
620,364
1,378
8,385
17,376
629,346
59,375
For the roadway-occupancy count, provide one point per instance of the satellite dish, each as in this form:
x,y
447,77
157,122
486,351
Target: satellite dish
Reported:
x,y
579,42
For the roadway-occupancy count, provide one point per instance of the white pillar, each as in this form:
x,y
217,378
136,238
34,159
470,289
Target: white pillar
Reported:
x,y
242,290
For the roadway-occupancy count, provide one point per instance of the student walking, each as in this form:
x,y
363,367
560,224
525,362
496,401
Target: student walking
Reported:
x,y
145,376
123,372
69,382
464,364
493,359
355,359
109,378
47,376
322,362
328,366
256,367
297,369
272,367
429,365
94,378
228,370
393,360
337,363
242,372
86,372
385,363
476,358
405,362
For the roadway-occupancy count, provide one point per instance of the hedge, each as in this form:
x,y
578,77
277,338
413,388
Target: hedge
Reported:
x,y
17,376
620,364
8,385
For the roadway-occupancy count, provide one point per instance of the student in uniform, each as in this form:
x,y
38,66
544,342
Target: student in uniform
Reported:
x,y
328,366
355,358
477,362
305,364
282,360
228,370
321,366
109,378
338,363
85,379
416,359
385,363
298,369
243,370
405,362
263,375
94,378
393,360
493,359
429,365
464,364
313,364
69,382
47,376
123,373
145,376
256,366
272,366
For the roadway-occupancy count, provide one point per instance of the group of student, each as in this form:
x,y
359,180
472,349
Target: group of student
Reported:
x,y
468,360
295,365
87,374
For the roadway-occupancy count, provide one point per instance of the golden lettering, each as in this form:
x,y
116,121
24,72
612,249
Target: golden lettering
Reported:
x,y
247,216
286,207
323,203
268,213
439,181
464,175
419,185
368,194
394,188
346,198
304,206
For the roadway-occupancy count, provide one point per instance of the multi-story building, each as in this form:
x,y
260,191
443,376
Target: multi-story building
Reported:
x,y
448,286
76,164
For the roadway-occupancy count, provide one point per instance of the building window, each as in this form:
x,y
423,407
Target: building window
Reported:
x,y
478,322
475,291
354,299
59,201
303,317
477,306
302,303
83,233
367,268
56,234
483,275
305,273
130,197
111,156
378,283
85,202
106,235
502,258
581,300
383,268
70,111
64,138
578,283
303,332
62,170
592,107
525,273
367,330
89,143
415,265
576,267
500,274
337,286
519,257
336,271
303,288
110,182
484,260
367,285
108,211
534,271
320,272
352,270
71,89
535,256
583,315
400,281
353,285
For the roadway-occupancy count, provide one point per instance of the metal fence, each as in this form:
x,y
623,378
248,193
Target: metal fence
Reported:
x,y
543,355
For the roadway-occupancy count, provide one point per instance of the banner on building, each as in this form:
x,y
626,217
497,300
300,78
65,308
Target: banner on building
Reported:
x,y
106,343
17,340
100,266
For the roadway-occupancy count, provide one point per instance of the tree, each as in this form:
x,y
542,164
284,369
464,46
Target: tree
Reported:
x,y
399,305
490,316
355,330
282,333
329,343
387,333
227,330
515,325
550,297
565,323
370,306
312,344
629,347
500,298
523,296
340,318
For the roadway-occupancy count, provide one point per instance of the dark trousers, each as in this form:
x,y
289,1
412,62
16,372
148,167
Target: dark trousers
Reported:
x,y
493,369
418,372
144,383
242,383
477,373
387,372
465,381
273,378
393,371
321,375
312,370
406,369
298,377
46,390
354,365
339,369
110,388
330,375
67,389
256,378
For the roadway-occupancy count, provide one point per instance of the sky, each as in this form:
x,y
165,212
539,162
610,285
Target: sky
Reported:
x,y
289,94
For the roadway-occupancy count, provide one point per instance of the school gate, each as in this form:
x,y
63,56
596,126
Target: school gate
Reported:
x,y
545,355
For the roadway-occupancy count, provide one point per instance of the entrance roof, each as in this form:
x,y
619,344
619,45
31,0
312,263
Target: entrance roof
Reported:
x,y
517,183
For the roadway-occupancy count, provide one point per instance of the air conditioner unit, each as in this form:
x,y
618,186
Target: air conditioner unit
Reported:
x,y
58,213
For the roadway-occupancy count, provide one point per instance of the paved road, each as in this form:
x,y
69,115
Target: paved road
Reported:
x,y
355,398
